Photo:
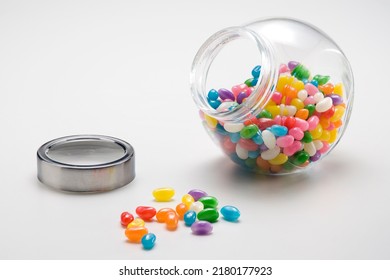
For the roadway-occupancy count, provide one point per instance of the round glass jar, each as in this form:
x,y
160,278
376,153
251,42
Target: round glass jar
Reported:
x,y
275,94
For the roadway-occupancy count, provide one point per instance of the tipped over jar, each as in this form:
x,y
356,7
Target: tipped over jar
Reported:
x,y
275,94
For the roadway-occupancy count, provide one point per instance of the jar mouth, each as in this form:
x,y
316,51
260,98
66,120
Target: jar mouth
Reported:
x,y
205,58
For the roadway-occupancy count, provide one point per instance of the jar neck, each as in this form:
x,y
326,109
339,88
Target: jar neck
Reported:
x,y
266,82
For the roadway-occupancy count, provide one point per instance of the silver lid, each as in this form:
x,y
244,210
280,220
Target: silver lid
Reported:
x,y
86,163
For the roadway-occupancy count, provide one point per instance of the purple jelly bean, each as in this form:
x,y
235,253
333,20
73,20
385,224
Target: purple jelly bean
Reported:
x,y
225,94
240,97
202,228
196,194
263,148
316,156
336,99
292,65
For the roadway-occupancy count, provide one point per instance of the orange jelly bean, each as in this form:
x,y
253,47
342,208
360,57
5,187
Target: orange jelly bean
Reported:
x,y
290,91
181,209
327,88
161,215
135,234
172,219
302,114
262,164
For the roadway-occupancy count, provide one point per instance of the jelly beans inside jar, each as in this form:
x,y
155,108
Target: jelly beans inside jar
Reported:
x,y
284,112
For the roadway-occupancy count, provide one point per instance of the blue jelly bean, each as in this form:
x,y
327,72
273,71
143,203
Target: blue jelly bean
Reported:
x,y
213,94
214,103
235,137
148,241
258,139
254,82
314,83
305,81
230,213
189,218
253,154
220,130
256,72
278,130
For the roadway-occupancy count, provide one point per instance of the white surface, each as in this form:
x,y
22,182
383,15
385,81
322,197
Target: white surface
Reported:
x,y
121,68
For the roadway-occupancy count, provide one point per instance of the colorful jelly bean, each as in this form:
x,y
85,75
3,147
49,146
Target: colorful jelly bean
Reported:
x,y
196,194
181,208
202,228
197,206
187,199
190,217
148,241
210,214
230,213
137,222
135,234
209,202
126,218
145,212
161,215
163,194
171,220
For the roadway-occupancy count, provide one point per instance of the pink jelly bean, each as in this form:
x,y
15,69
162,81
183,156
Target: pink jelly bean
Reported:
x,y
302,124
311,89
283,69
248,144
277,97
249,91
239,88
313,122
325,147
278,120
293,148
330,127
309,100
228,146
285,141
296,132
264,123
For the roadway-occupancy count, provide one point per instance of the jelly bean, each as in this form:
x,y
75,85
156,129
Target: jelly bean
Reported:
x,y
271,153
277,97
325,147
258,139
262,164
318,97
326,89
333,136
313,122
172,220
302,94
300,72
337,124
161,215
225,94
309,148
315,157
264,123
328,114
256,71
309,100
241,152
163,194
126,218
324,122
235,137
330,127
187,199
285,141
230,213
293,148
238,89
214,103
249,131
307,137
250,120
292,65
181,209
269,139
338,113
249,81
212,95
137,222
202,228
302,124
264,114
302,114
300,157
145,212
228,146
338,89
211,122
278,130
314,83
283,68
220,130
189,218
297,103
248,144
325,136
290,91
321,79
279,159
318,144
196,194
289,122
197,206
250,163
135,234
311,89
275,168
311,108
297,133
317,132
148,241
241,97
253,154
209,202
210,214
226,106
291,110
273,109
336,99
283,80
299,85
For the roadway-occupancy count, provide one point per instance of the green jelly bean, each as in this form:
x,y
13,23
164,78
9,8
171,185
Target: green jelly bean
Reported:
x,y
250,162
322,80
300,72
249,131
311,108
288,166
210,214
264,114
209,202
299,157
307,137
249,82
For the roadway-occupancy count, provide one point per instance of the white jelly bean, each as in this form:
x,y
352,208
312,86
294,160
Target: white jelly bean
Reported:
x,y
318,144
302,94
310,148
226,105
233,127
197,206
324,105
269,139
241,152
291,110
318,97
270,154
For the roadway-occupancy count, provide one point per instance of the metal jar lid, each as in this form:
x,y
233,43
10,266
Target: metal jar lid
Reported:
x,y
86,163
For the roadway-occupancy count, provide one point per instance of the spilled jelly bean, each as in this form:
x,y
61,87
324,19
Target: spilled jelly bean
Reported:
x,y
209,202
181,208
145,212
210,214
230,213
148,241
190,217
126,218
196,194
137,222
202,228
163,194
187,199
161,215
135,234
172,220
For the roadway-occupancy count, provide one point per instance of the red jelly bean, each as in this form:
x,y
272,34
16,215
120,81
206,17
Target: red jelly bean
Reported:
x,y
126,218
328,114
264,123
145,212
289,122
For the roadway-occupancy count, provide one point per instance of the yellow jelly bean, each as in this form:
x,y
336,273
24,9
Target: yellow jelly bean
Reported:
x,y
297,103
316,132
135,234
187,199
279,159
338,113
163,194
333,136
299,85
325,136
338,89
211,122
284,80
274,110
137,222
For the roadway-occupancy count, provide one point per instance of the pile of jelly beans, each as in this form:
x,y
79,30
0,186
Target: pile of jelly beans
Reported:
x,y
197,209
297,126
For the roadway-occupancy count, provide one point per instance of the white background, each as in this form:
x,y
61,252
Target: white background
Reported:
x,y
121,68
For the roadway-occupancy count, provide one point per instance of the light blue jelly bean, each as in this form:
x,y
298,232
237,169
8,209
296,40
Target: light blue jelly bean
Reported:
x,y
214,103
230,213
189,218
278,130
256,72
221,130
253,154
305,81
234,137
148,241
258,139
314,83
212,95
254,82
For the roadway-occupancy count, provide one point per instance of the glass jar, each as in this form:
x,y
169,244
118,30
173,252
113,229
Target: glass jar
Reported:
x,y
275,94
